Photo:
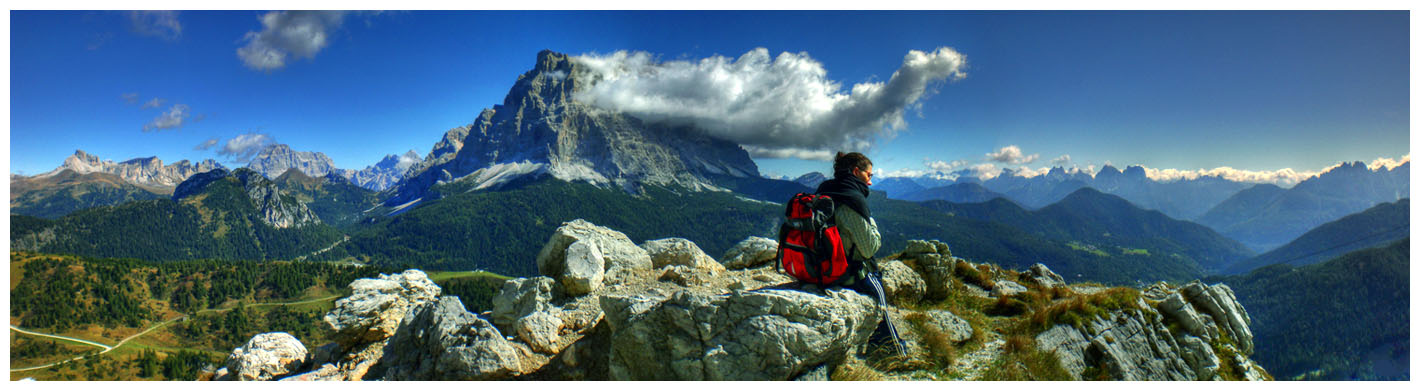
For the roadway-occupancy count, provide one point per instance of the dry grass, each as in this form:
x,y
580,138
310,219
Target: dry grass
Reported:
x,y
941,352
1021,360
854,371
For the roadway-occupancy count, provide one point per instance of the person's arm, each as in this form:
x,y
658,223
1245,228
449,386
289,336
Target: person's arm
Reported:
x,y
863,236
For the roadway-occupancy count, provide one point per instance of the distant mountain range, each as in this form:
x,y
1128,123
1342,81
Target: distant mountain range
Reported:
x,y
1183,199
148,171
220,214
1379,225
276,159
1266,217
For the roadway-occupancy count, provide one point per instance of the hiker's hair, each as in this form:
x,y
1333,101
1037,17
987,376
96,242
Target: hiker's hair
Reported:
x,y
844,163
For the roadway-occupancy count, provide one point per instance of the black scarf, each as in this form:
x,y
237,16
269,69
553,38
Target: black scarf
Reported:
x,y
847,191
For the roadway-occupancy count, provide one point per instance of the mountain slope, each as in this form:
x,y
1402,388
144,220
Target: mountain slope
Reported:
x,y
1347,318
215,215
333,198
1344,190
386,172
959,193
500,230
1379,225
67,191
1091,219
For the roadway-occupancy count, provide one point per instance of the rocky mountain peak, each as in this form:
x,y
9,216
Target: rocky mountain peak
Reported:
x,y
275,159
386,172
541,129
142,171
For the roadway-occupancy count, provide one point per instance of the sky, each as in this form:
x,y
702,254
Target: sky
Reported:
x,y
1273,95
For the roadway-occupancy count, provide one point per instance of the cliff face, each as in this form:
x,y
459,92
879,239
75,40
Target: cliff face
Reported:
x,y
144,171
274,206
541,129
608,309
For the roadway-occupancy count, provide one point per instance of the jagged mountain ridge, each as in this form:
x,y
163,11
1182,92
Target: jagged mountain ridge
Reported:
x,y
148,171
386,172
541,129
275,159
1266,219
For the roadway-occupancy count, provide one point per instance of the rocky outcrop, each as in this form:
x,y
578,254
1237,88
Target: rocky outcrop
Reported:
x,y
443,341
144,171
752,252
274,206
760,335
620,254
1136,343
265,356
705,323
901,285
934,263
1041,275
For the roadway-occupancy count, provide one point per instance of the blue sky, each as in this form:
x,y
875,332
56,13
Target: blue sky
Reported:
x,y
1255,91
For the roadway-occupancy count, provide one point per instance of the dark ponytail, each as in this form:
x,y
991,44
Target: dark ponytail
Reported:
x,y
844,163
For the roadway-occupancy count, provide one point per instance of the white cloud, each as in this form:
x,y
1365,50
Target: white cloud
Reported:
x,y
154,103
1027,172
294,34
131,98
161,24
1061,161
407,160
985,171
1285,177
245,146
789,153
784,106
1388,163
172,119
943,166
206,145
1011,154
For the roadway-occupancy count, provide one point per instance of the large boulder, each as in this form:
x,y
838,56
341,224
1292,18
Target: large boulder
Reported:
x,y
521,297
265,357
619,252
1041,275
754,335
751,252
682,252
584,268
918,247
901,285
1132,344
936,274
1006,288
443,341
375,306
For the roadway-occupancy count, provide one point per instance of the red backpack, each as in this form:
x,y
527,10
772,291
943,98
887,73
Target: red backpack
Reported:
x,y
810,248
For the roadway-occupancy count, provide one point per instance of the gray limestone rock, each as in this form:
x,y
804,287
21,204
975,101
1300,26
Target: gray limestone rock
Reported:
x,y
918,247
755,335
375,306
540,330
957,329
901,285
583,270
1042,275
936,274
677,251
265,357
443,341
617,250
752,252
521,297
1007,288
